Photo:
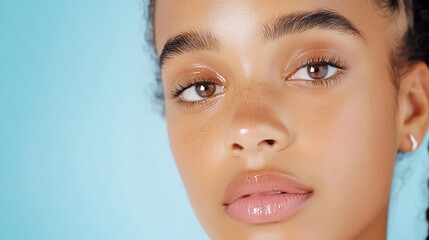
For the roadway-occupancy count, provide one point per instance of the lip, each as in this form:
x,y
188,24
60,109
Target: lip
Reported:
x,y
265,197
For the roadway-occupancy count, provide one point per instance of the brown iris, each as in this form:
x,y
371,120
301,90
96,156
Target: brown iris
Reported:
x,y
205,90
317,71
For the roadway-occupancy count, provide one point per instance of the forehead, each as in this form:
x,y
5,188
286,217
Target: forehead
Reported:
x,y
241,20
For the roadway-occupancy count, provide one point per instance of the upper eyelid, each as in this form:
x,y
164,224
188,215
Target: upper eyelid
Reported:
x,y
337,71
332,60
179,88
191,84
200,74
304,60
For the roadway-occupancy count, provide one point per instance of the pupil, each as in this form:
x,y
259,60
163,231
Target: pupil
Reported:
x,y
317,71
205,89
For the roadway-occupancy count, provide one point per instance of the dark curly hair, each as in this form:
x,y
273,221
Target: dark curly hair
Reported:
x,y
414,45
411,48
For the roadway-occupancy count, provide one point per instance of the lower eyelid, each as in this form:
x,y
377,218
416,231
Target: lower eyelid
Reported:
x,y
323,83
205,103
331,80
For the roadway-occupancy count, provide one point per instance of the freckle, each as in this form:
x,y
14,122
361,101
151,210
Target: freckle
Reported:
x,y
200,139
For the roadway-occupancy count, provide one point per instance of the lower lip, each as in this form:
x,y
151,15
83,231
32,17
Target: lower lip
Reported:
x,y
266,208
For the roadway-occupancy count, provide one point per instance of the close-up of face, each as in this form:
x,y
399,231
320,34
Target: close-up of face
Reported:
x,y
285,117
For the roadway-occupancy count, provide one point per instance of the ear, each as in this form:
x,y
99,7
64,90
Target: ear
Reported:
x,y
413,106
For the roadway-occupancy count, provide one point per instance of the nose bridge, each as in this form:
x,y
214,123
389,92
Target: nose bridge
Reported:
x,y
256,125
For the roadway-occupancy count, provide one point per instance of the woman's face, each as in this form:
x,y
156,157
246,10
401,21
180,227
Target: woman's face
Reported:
x,y
281,115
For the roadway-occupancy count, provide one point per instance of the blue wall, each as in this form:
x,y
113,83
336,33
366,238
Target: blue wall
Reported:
x,y
83,152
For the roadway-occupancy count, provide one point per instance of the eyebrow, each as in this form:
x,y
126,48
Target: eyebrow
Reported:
x,y
293,23
300,22
187,42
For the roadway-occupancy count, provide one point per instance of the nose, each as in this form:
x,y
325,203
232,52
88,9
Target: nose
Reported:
x,y
256,133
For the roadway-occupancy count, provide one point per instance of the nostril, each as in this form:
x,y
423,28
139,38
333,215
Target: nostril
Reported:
x,y
271,143
236,146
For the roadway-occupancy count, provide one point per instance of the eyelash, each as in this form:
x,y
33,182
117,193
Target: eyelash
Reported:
x,y
191,81
323,60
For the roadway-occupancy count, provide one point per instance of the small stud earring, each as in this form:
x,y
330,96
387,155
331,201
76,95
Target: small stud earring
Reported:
x,y
413,141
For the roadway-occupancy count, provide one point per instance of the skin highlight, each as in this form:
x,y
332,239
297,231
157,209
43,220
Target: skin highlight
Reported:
x,y
340,138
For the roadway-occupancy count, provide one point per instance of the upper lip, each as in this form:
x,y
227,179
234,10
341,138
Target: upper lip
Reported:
x,y
260,183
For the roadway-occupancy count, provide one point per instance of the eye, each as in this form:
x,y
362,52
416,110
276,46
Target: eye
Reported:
x,y
200,91
316,71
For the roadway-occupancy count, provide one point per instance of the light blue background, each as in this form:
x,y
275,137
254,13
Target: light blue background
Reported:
x,y
83,152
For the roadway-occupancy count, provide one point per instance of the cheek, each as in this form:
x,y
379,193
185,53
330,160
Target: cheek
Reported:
x,y
188,139
353,149
359,143
197,148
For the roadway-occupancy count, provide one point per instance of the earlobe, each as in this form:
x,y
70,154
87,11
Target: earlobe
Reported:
x,y
413,107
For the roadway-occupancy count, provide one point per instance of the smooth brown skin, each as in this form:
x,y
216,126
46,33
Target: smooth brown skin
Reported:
x,y
340,140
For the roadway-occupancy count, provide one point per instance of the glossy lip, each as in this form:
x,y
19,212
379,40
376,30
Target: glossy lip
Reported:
x,y
264,197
